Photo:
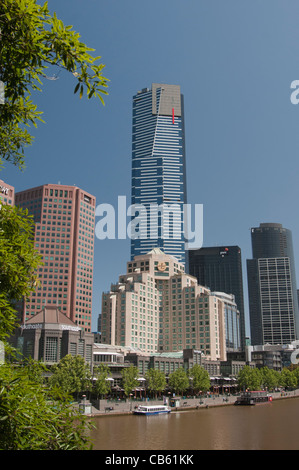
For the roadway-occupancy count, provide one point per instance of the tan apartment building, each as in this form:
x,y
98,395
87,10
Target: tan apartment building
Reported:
x,y
157,307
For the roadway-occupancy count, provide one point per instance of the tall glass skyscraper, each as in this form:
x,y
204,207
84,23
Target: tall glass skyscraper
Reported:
x,y
158,171
220,269
273,302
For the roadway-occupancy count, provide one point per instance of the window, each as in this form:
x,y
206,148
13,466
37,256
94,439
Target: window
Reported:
x,y
51,349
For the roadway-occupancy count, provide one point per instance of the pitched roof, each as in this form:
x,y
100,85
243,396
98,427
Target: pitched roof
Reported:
x,y
52,315
156,251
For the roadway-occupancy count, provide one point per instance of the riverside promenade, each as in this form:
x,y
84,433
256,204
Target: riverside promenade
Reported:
x,y
114,408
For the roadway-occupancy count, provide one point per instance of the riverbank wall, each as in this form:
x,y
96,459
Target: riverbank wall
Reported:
x,y
114,408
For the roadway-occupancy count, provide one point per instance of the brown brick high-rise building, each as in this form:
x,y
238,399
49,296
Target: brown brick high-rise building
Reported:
x,y
64,235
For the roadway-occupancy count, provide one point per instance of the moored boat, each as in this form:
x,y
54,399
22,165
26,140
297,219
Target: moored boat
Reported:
x,y
152,410
254,398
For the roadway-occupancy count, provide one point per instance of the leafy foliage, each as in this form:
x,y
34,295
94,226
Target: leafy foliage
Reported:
x,y
255,379
155,381
102,385
295,371
18,263
178,380
71,374
270,378
200,378
250,378
33,417
129,377
32,41
288,378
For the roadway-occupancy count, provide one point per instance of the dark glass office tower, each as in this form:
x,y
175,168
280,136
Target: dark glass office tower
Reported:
x,y
220,269
272,289
158,171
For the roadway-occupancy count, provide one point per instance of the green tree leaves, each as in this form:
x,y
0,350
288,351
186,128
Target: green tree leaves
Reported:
x,y
155,381
288,378
72,375
270,378
32,418
200,378
18,263
250,378
31,41
178,381
101,383
255,379
196,378
129,377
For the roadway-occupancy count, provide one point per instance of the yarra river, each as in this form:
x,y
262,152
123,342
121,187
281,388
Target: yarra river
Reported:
x,y
271,426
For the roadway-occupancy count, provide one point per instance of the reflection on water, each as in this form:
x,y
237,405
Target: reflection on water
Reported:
x,y
262,427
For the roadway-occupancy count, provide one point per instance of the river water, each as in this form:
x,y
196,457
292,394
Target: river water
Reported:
x,y
272,426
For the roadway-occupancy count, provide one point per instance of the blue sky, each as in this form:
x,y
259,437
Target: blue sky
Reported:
x,y
234,60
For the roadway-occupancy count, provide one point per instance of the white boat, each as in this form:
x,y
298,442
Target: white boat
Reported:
x,y
152,410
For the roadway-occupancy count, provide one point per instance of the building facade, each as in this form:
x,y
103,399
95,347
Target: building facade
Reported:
x,y
158,171
50,335
220,269
64,235
165,362
7,194
273,302
232,322
157,307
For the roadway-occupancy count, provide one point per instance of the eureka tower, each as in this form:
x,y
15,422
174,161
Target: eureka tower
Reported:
x,y
158,171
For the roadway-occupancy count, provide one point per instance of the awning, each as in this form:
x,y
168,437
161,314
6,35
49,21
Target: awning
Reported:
x,y
104,353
